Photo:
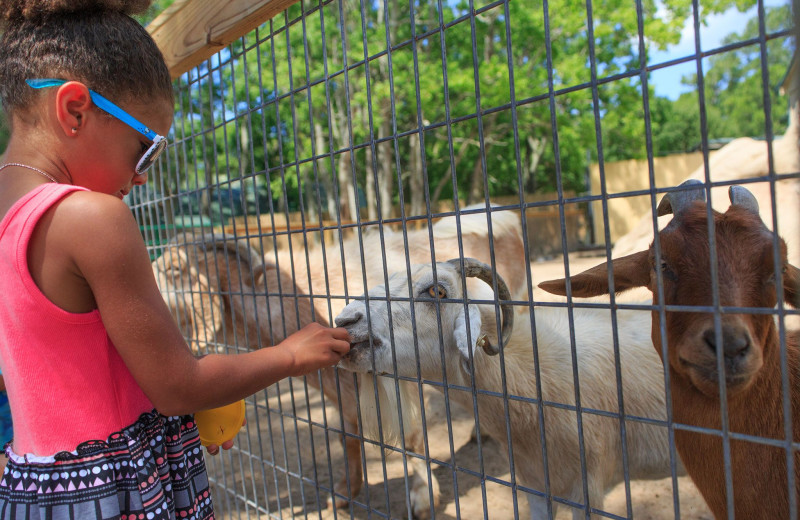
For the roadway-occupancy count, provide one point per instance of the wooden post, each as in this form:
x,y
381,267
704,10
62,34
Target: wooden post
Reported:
x,y
190,31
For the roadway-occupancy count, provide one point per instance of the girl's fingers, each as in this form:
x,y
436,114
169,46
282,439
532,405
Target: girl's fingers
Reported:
x,y
341,347
340,333
213,449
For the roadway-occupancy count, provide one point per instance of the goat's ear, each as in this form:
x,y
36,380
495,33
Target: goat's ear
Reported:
x,y
629,272
791,286
466,342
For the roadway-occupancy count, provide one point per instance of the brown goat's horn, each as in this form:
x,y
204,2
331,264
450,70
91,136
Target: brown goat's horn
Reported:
x,y
676,201
742,197
477,269
230,244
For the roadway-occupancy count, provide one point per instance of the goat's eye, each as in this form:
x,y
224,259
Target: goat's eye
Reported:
x,y
437,291
666,270
772,276
662,266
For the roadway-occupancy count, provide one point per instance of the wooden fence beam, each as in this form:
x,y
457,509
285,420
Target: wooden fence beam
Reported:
x,y
190,31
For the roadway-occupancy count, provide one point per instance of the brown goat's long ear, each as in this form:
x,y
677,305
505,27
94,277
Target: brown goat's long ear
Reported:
x,y
791,286
629,272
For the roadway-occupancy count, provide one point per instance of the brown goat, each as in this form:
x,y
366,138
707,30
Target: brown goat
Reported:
x,y
748,344
223,295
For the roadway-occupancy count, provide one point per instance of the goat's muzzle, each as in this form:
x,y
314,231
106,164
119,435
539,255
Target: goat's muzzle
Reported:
x,y
741,359
362,342
359,359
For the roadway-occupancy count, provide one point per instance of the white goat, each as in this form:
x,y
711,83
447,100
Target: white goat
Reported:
x,y
383,333
222,294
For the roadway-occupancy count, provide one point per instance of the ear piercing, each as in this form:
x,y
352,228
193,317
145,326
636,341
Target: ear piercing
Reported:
x,y
74,130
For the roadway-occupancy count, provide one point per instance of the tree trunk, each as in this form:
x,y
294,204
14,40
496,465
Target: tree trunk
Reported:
x,y
325,179
312,205
534,151
416,184
387,177
447,180
370,188
348,202
248,184
476,188
385,167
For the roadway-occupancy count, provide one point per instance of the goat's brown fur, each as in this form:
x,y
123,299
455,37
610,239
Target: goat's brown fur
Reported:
x,y
753,375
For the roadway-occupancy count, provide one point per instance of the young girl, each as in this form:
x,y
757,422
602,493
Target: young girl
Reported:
x,y
100,380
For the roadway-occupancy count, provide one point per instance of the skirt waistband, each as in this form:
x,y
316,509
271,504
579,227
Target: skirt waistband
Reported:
x,y
117,440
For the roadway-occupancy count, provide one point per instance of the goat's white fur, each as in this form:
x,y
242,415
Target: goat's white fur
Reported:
x,y
642,380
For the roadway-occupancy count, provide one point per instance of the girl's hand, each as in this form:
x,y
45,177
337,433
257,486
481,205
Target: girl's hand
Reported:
x,y
213,449
315,346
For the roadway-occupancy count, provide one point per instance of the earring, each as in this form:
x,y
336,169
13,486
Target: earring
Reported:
x,y
74,130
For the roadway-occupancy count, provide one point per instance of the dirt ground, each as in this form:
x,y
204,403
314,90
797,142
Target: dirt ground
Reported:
x,y
285,461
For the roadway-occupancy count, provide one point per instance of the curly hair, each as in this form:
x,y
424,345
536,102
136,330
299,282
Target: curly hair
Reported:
x,y
95,42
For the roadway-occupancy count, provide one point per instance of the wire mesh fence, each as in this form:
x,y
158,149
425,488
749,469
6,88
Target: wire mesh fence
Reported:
x,y
319,167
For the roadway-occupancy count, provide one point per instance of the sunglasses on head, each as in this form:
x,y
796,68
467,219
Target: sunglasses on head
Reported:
x,y
159,141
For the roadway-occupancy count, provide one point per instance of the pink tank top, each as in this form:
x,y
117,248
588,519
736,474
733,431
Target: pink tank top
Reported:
x,y
66,381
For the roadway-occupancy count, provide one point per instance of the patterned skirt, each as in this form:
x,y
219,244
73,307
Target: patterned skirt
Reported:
x,y
153,469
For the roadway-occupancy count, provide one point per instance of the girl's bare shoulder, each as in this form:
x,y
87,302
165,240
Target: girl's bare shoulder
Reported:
x,y
95,227
92,213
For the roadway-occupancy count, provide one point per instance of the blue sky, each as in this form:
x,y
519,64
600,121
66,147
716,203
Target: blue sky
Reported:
x,y
667,82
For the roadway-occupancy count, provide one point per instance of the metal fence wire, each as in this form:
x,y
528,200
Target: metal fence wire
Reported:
x,y
318,168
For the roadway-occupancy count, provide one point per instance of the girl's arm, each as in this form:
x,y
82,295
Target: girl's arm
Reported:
x,y
110,254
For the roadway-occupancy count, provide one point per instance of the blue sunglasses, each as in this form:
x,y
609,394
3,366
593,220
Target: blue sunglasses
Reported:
x,y
159,141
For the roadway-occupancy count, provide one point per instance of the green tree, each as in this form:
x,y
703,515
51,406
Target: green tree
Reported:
x,y
313,110
734,91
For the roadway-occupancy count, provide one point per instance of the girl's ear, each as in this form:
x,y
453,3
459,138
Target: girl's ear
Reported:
x,y
629,272
73,104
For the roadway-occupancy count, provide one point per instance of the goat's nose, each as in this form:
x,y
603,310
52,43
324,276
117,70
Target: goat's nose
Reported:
x,y
348,317
735,340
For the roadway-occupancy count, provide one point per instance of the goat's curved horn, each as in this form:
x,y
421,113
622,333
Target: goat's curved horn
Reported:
x,y
676,201
742,197
477,269
231,244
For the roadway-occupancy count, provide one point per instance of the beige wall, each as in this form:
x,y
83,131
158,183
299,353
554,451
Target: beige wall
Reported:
x,y
631,176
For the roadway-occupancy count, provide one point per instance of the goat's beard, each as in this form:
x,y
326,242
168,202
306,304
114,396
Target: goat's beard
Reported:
x,y
392,410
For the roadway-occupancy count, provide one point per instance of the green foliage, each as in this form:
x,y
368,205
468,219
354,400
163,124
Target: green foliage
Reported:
x,y
313,102
155,8
735,90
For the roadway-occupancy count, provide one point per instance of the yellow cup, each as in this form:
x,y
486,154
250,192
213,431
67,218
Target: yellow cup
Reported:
x,y
218,425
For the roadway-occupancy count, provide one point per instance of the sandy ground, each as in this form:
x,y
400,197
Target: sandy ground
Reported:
x,y
286,459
